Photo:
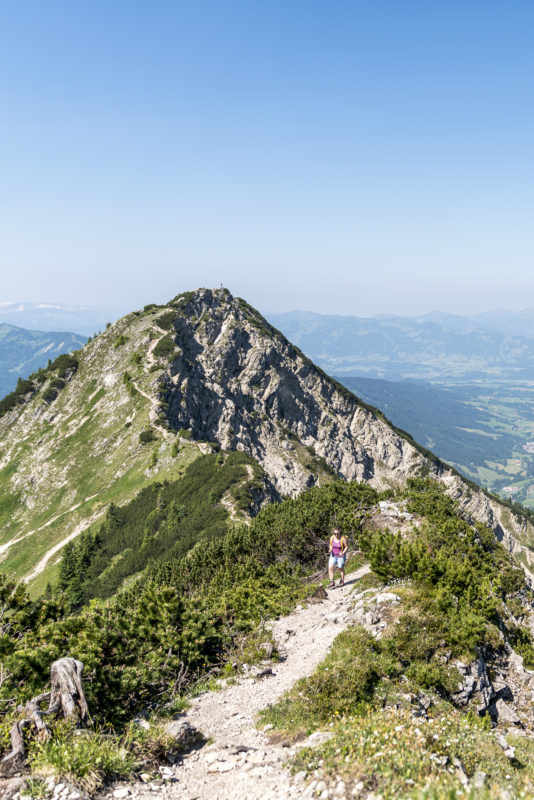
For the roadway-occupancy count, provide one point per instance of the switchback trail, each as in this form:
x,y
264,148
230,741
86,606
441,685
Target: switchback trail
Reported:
x,y
240,761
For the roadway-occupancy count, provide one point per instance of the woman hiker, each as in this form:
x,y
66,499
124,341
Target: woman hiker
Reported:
x,y
338,556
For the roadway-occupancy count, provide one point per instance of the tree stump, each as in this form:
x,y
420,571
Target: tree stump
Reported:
x,y
66,690
66,698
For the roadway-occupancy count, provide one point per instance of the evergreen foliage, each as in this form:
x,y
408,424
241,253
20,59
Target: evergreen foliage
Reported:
x,y
202,585
58,371
147,436
17,397
162,523
165,347
462,576
166,321
120,340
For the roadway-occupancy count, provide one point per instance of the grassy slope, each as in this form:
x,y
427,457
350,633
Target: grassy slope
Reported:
x,y
82,451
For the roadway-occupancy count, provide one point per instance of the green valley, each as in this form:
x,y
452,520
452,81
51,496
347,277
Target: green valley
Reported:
x,y
483,429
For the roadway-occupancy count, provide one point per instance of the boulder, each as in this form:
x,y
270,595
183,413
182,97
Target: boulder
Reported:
x,y
387,597
184,734
502,712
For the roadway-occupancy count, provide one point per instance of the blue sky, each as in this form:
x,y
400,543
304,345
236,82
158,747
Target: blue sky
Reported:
x,y
352,157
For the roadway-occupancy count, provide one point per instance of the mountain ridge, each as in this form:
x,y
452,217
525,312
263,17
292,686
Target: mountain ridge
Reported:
x,y
397,348
23,351
206,371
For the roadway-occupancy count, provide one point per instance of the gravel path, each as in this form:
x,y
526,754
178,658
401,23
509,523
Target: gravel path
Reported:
x,y
240,762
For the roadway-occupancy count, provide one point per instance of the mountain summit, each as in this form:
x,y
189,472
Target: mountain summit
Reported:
x,y
236,380
170,384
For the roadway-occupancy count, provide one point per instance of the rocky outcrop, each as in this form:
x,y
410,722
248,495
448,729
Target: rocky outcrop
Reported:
x,y
237,381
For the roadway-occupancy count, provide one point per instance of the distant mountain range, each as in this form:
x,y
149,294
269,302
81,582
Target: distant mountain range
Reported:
x,y
57,317
435,347
22,352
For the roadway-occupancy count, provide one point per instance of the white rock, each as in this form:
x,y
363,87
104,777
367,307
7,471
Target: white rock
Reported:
x,y
317,738
256,757
257,771
387,597
210,758
516,662
123,791
225,766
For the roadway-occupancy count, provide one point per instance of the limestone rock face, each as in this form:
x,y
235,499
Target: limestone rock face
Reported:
x,y
237,381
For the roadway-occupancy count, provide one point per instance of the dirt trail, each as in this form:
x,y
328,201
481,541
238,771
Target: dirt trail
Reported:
x,y
154,402
240,762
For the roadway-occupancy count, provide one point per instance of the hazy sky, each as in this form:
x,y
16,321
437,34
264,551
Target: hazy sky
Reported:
x,y
354,157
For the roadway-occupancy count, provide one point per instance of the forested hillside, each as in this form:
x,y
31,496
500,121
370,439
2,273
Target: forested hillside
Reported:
x,y
456,594
25,351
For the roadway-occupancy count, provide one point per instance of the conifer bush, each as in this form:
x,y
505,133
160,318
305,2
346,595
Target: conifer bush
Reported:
x,y
165,347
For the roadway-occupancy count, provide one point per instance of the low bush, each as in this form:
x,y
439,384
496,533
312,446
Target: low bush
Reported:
x,y
165,347
166,321
120,341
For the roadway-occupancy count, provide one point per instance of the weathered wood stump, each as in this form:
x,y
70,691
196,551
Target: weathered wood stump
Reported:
x,y
66,698
66,690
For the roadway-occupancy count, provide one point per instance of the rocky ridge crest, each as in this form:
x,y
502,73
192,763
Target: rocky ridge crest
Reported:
x,y
238,381
205,370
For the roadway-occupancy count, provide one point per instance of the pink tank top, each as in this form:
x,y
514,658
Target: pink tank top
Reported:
x,y
336,548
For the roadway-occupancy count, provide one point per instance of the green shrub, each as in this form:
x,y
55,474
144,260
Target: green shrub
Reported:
x,y
166,321
49,395
64,365
347,677
165,347
129,384
147,436
120,340
59,370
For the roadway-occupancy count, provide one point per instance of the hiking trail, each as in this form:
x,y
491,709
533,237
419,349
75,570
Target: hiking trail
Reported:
x,y
240,761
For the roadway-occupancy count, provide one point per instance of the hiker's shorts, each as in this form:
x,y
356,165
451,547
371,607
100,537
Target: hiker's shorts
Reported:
x,y
337,561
